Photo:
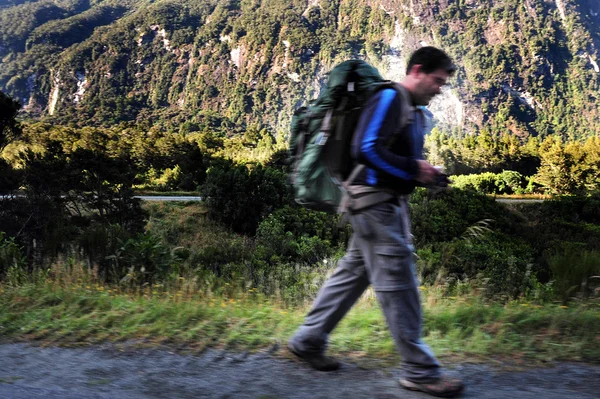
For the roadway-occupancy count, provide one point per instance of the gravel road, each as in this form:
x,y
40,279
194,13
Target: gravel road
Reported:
x,y
28,372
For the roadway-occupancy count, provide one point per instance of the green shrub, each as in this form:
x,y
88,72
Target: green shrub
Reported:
x,y
510,182
532,186
563,220
214,257
575,271
298,234
141,259
10,254
170,179
240,197
573,209
447,215
500,263
484,183
98,241
507,182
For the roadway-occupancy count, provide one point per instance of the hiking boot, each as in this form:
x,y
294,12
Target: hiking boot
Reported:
x,y
317,361
443,387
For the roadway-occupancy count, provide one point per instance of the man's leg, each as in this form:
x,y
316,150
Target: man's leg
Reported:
x,y
388,253
402,311
422,371
335,299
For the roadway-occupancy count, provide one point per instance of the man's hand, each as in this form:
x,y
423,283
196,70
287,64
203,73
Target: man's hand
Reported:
x,y
426,174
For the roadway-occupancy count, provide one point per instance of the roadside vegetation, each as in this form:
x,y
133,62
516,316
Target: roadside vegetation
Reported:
x,y
68,305
216,288
82,260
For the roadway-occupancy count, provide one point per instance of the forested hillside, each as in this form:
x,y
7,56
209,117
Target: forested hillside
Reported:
x,y
527,67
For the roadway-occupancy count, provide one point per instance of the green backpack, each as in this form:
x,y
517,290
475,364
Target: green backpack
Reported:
x,y
321,135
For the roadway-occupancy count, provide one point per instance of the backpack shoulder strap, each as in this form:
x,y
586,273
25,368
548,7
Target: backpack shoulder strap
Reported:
x,y
406,118
407,109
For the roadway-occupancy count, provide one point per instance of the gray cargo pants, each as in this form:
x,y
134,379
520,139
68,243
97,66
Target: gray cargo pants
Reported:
x,y
380,253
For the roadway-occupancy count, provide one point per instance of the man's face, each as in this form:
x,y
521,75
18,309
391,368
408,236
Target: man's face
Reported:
x,y
429,85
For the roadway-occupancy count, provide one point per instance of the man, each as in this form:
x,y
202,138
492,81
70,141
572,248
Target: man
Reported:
x,y
380,251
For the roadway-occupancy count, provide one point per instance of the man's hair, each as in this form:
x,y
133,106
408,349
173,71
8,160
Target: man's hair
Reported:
x,y
431,59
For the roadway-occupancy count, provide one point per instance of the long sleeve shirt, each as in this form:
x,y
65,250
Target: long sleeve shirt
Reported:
x,y
389,151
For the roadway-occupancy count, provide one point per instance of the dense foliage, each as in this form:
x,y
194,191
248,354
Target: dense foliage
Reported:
x,y
550,165
240,197
525,68
72,198
78,184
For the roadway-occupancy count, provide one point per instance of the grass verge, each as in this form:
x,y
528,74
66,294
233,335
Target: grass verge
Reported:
x,y
465,327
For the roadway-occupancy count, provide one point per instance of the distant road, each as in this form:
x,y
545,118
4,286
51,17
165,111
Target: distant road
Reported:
x,y
167,198
518,200
190,198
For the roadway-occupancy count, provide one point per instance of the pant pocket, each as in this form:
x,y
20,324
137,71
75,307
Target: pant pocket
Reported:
x,y
385,214
393,264
362,226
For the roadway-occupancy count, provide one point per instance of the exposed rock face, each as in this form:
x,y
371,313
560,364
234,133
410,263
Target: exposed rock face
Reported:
x,y
81,87
510,54
54,94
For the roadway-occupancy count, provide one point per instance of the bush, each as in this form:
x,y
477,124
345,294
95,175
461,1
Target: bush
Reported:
x,y
510,182
142,259
240,197
507,182
500,263
168,180
484,183
565,219
447,215
574,270
573,209
99,241
532,186
215,257
298,234
10,254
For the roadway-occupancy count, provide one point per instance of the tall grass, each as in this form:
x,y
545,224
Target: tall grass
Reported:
x,y
576,273
214,295
68,304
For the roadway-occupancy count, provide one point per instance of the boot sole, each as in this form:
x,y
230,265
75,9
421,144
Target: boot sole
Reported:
x,y
301,357
412,386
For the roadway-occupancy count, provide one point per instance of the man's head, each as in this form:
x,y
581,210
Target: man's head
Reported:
x,y
428,70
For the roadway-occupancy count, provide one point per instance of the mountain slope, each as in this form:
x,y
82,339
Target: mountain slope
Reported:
x,y
529,67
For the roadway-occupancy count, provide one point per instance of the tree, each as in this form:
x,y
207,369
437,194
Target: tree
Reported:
x,y
102,185
557,166
240,197
9,131
9,127
591,149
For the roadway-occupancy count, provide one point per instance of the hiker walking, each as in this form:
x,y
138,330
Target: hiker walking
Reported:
x,y
387,152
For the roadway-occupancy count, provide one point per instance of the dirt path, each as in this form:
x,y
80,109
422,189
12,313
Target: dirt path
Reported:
x,y
28,372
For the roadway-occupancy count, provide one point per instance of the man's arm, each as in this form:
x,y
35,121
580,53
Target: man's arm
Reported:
x,y
377,124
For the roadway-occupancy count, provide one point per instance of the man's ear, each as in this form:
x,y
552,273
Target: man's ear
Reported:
x,y
415,70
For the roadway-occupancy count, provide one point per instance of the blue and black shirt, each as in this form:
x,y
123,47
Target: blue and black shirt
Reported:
x,y
389,152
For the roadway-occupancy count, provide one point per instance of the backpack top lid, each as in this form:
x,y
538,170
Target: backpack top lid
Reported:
x,y
309,119
358,71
